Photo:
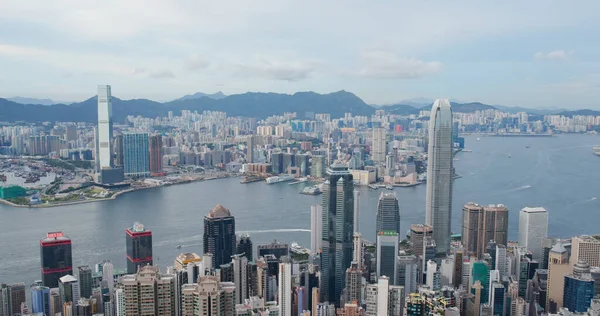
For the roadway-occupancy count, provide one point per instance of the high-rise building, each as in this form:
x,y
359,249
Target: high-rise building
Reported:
x,y
138,247
155,148
84,275
407,272
498,298
533,229
383,299
136,154
207,297
317,166
105,130
68,288
40,299
357,211
250,143
438,203
419,233
11,298
316,220
578,288
219,235
480,225
558,267
354,276
108,275
148,292
387,255
431,272
240,278
244,246
388,213
337,231
118,149
285,289
56,258
586,248
275,248
379,145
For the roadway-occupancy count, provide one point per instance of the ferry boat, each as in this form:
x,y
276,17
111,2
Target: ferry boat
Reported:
x,y
596,150
312,190
278,179
373,187
389,187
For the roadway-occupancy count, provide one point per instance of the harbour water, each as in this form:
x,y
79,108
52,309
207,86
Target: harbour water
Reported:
x,y
558,173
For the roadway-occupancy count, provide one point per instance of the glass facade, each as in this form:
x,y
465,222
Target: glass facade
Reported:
x,y
219,237
481,273
388,213
56,258
139,248
136,154
578,293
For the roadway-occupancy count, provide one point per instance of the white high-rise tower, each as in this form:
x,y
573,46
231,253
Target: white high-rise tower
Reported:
x,y
104,132
438,211
379,147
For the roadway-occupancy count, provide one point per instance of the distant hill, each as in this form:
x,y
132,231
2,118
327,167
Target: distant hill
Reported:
x,y
248,104
401,109
579,112
216,96
24,100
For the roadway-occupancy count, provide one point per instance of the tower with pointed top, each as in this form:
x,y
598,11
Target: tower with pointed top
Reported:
x,y
438,209
336,231
219,235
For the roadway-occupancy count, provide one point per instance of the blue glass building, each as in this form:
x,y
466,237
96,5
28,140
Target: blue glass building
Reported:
x,y
40,299
578,293
136,154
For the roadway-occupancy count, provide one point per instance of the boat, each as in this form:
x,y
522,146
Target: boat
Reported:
x,y
178,246
2,178
278,179
528,146
372,186
596,150
311,190
467,150
478,139
389,187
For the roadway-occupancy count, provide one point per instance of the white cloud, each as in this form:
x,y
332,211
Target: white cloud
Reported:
x,y
381,64
20,51
554,55
160,74
195,63
279,70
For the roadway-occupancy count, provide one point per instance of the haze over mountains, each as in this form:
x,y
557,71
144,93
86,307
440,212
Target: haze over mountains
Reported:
x,y
251,104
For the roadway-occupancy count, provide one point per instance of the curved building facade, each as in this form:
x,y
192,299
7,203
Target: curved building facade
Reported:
x,y
438,209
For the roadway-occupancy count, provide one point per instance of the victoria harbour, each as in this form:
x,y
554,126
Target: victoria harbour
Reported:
x,y
559,173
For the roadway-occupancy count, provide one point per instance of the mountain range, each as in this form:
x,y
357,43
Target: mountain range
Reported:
x,y
250,104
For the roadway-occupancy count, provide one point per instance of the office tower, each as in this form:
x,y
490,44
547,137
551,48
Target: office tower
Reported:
x,y
586,248
70,133
438,209
357,211
317,166
558,267
240,278
105,129
275,248
388,213
119,302
407,272
84,275
533,228
578,288
431,270
219,235
155,148
244,246
480,225
316,220
337,230
148,292
11,298
458,264
447,272
118,149
285,289
387,255
383,299
108,276
357,249
138,246
379,145
136,154
354,276
498,298
40,299
68,288
250,149
56,259
418,234
84,307
55,304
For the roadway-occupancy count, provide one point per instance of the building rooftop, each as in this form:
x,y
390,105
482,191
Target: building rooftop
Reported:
x,y
219,211
68,278
537,209
558,248
55,236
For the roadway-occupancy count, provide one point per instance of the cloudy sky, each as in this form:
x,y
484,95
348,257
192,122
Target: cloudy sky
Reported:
x,y
532,53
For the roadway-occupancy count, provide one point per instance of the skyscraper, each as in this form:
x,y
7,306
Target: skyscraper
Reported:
x,y
379,145
316,220
356,210
244,246
155,148
387,255
579,288
388,213
136,154
337,231
118,149
149,292
586,248
419,233
105,131
250,149
207,297
84,276
219,235
533,228
40,299
56,258
384,299
438,203
285,289
68,288
11,298
138,246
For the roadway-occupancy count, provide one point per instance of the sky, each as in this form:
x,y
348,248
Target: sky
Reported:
x,y
538,54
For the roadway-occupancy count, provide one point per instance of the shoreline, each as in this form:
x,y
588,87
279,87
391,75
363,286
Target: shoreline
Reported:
x,y
113,197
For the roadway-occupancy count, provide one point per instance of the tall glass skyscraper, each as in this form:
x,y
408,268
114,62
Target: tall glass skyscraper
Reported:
x,y
104,140
138,243
388,213
336,231
219,235
136,154
40,299
438,204
56,257
579,288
